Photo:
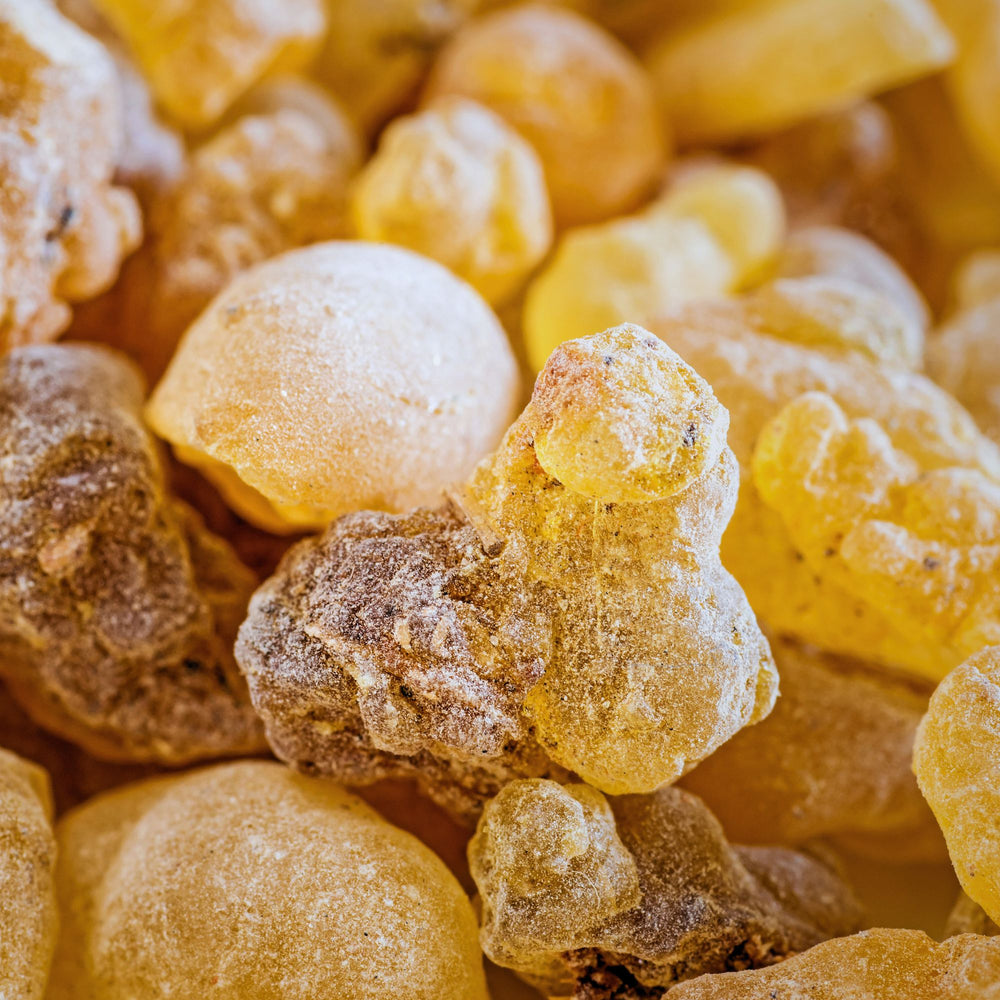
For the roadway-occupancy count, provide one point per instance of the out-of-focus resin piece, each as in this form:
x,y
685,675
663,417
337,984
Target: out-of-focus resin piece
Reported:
x,y
341,376
831,760
65,225
764,66
597,900
574,92
715,230
201,55
456,183
969,917
915,539
248,882
29,920
273,179
957,761
117,607
756,361
568,601
884,964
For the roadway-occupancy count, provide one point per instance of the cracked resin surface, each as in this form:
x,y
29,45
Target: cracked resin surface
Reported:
x,y
957,761
832,759
883,964
599,900
65,226
28,918
568,602
340,376
117,608
248,882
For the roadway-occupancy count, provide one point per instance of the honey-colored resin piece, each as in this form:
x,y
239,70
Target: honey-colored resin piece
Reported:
x,y
117,607
337,377
831,760
65,225
574,92
883,964
597,900
763,66
248,882
568,601
29,920
968,917
201,55
957,761
458,184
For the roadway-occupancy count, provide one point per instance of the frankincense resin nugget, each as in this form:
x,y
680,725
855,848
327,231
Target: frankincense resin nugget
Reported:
x,y
248,882
28,918
597,900
568,601
340,376
117,608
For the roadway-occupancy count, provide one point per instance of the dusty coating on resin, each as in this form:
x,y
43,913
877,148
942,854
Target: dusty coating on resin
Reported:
x,y
200,55
337,377
65,225
574,92
117,608
957,761
756,363
917,540
568,601
457,184
269,181
29,921
262,883
599,900
890,964
831,760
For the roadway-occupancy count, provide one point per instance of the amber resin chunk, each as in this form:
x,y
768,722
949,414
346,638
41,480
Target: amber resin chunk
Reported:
x,y
117,607
248,882
599,900
567,603
29,921
831,760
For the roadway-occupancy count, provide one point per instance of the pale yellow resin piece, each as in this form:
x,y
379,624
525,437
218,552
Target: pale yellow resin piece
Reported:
x,y
957,760
337,377
249,882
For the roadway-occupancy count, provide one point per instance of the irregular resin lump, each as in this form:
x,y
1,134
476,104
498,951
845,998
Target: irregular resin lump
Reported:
x,y
957,761
248,882
65,226
336,377
599,900
568,601
458,184
28,918
574,92
117,607
831,760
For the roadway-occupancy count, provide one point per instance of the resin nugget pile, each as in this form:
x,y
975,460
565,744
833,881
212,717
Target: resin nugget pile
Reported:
x,y
568,602
599,901
117,608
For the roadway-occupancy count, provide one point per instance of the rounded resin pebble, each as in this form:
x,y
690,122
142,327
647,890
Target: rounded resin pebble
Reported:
x,y
117,607
65,226
456,183
566,605
340,376
574,92
200,55
29,920
957,761
249,882
831,760
882,964
597,900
